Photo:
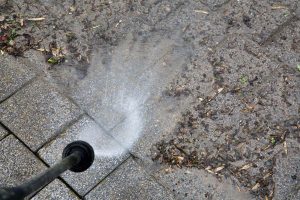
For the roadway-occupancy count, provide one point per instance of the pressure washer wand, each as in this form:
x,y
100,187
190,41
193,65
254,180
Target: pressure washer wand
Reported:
x,y
77,156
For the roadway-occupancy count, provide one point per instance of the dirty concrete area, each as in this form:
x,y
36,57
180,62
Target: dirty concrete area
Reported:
x,y
239,90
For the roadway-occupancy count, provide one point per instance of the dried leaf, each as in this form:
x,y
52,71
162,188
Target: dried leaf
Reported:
x,y
53,60
72,8
179,159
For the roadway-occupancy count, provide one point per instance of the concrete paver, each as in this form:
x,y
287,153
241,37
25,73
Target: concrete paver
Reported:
x,y
13,75
129,181
86,129
3,132
37,113
54,191
284,47
17,163
258,19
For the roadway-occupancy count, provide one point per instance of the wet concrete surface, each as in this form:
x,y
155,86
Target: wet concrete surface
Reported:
x,y
222,111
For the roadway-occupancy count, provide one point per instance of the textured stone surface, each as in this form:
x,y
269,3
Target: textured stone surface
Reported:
x,y
54,191
258,19
129,181
3,132
17,163
37,112
214,4
87,130
13,75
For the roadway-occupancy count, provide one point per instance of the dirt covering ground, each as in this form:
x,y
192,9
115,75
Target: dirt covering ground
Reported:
x,y
241,87
245,127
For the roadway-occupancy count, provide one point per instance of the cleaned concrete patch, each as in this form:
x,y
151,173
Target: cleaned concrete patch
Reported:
x,y
13,75
126,74
159,114
157,120
86,129
198,184
3,132
17,163
54,191
37,112
129,181
287,173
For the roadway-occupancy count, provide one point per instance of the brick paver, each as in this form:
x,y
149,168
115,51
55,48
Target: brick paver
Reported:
x,y
13,75
54,191
3,132
37,113
17,163
129,181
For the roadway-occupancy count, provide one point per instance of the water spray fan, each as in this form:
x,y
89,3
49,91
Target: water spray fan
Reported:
x,y
77,157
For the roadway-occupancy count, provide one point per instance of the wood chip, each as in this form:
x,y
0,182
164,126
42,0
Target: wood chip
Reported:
x,y
220,90
42,50
219,168
179,159
168,170
36,19
256,186
245,167
267,175
276,7
22,22
266,198
201,11
285,147
209,170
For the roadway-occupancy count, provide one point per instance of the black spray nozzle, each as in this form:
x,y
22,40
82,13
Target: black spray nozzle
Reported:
x,y
77,156
86,153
